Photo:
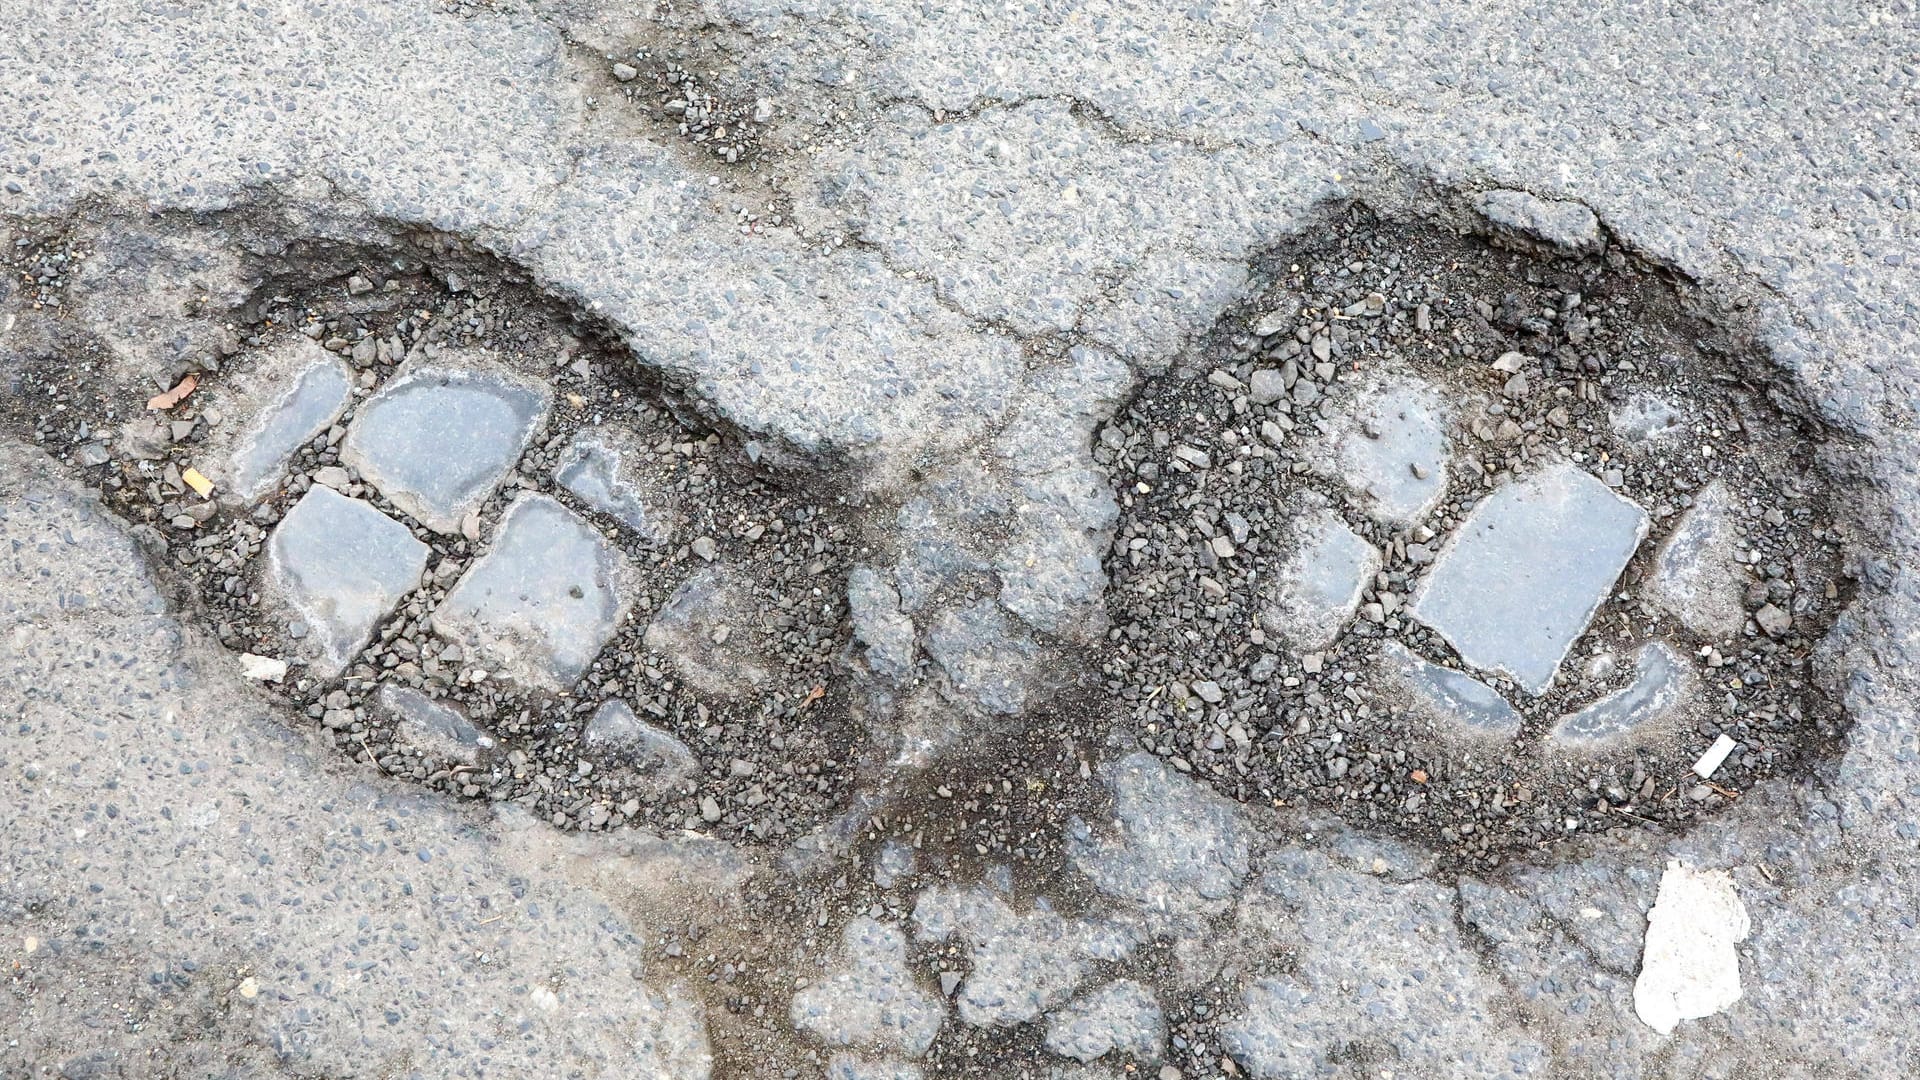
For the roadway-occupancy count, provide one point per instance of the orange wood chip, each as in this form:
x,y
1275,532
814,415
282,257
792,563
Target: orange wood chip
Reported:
x,y
174,396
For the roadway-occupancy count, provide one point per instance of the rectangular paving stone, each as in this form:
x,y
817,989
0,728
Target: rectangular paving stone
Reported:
x,y
434,727
342,566
1516,585
543,599
437,442
316,398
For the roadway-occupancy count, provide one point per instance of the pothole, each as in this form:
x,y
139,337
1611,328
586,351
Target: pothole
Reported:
x,y
453,524
1475,546
1482,547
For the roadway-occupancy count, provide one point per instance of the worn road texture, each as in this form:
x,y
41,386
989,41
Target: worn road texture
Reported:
x,y
940,244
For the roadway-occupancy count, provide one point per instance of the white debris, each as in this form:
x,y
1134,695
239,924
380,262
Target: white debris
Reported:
x,y
1690,969
263,668
1710,761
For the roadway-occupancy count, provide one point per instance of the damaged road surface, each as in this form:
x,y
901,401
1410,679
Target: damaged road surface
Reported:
x,y
716,542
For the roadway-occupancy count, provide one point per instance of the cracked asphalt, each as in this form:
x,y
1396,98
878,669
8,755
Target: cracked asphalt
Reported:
x,y
966,235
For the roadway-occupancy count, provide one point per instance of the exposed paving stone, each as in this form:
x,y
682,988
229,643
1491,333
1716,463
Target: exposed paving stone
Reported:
x,y
434,728
1019,965
438,441
1659,682
342,566
1122,1017
1516,585
1322,583
870,999
1452,697
705,629
614,731
319,392
1393,453
1694,573
594,467
543,599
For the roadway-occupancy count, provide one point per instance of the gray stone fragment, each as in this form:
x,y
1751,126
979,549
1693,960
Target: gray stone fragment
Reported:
x,y
314,400
616,732
433,727
1694,573
342,566
1180,848
437,442
1517,583
543,599
869,999
1659,682
1773,621
984,655
1393,451
1121,1017
1317,590
596,467
1568,227
1266,386
1452,696
879,625
703,628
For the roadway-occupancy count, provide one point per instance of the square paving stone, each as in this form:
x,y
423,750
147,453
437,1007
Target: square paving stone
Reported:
x,y
438,442
342,565
544,598
1317,590
1516,585
1394,452
707,630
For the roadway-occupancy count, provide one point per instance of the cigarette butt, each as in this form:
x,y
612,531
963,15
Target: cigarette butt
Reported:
x,y
1711,760
198,482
